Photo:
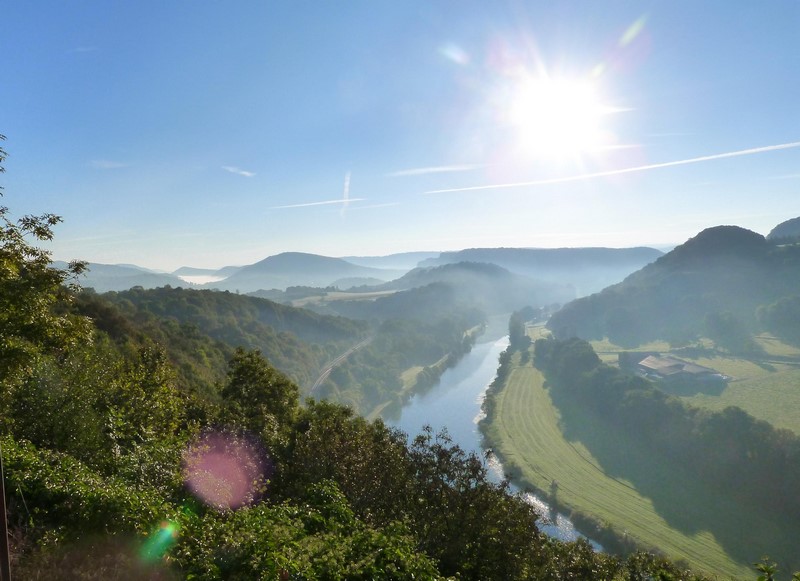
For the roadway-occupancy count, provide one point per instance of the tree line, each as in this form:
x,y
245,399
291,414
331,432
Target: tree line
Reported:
x,y
731,451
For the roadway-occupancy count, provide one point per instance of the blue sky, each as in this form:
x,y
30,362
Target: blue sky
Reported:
x,y
208,133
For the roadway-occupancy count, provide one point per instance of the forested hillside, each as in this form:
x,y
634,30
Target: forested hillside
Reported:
x,y
712,285
372,377
115,469
200,329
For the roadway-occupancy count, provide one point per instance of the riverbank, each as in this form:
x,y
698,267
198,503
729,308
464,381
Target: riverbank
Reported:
x,y
523,429
418,380
454,404
548,499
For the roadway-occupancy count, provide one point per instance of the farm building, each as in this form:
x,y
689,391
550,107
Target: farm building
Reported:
x,y
668,368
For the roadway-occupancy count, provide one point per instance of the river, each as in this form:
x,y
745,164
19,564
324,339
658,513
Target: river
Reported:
x,y
455,403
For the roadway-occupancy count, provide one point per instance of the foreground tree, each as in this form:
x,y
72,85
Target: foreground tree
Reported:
x,y
33,318
259,396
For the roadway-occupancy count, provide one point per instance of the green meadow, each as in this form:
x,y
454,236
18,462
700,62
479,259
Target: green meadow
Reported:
x,y
767,385
590,468
331,296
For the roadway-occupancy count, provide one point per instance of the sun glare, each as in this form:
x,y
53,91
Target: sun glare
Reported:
x,y
558,117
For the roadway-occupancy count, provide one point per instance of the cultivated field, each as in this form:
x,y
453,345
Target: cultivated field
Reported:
x,y
600,474
767,386
331,296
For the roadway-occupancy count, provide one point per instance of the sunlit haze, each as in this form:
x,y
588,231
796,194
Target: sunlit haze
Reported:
x,y
212,134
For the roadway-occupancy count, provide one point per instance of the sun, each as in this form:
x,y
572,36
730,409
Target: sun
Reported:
x,y
558,117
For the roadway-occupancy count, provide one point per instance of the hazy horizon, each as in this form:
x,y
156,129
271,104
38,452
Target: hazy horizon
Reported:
x,y
204,135
191,278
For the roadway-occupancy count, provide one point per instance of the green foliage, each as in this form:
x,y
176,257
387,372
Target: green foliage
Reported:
x,y
516,330
56,498
767,570
472,527
365,459
646,566
468,525
727,331
263,399
31,292
782,317
319,540
100,409
208,325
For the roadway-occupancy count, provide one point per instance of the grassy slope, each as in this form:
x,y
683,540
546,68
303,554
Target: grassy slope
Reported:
x,y
600,474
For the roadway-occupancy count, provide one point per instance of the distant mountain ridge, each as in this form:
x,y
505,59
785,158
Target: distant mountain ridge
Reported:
x,y
488,287
401,260
223,272
465,271
588,269
117,277
790,229
297,269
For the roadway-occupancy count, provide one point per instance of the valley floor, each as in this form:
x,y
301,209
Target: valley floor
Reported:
x,y
586,467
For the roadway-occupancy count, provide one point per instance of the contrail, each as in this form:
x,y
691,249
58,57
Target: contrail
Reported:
x,y
238,171
345,194
614,172
307,204
418,171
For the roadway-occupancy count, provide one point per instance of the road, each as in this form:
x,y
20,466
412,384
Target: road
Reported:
x,y
329,367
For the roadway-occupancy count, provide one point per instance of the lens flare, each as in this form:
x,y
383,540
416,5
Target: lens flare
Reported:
x,y
226,471
633,31
159,543
455,54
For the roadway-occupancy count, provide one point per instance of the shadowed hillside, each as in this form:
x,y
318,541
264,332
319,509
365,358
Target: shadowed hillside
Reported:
x,y
296,341
786,231
712,284
487,286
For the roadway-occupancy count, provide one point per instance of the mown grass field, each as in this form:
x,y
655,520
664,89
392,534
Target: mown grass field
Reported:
x,y
767,387
601,474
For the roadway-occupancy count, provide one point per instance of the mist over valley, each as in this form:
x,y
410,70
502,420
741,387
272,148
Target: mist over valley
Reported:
x,y
413,290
